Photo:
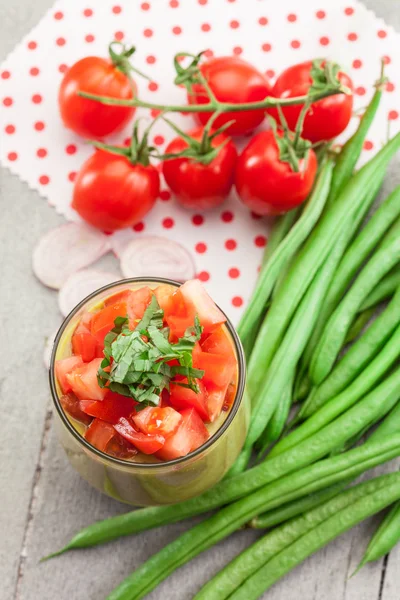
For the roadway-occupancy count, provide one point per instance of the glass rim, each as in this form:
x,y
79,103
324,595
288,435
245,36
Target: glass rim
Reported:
x,y
126,463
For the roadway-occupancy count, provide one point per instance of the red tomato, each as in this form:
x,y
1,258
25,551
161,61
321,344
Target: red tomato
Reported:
x,y
327,118
70,404
218,343
148,444
198,185
182,398
117,298
199,303
83,381
164,421
112,193
235,81
191,434
84,343
215,403
111,409
121,448
64,367
99,434
137,303
218,369
265,184
103,321
164,295
88,118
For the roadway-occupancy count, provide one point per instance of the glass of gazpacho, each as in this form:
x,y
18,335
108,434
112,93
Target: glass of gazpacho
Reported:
x,y
148,382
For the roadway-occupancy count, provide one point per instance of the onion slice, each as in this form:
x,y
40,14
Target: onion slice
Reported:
x,y
81,284
65,250
48,349
154,256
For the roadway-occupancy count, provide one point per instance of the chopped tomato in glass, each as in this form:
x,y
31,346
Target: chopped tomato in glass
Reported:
x,y
63,368
218,370
84,343
121,448
103,321
164,421
199,303
218,343
164,295
190,435
137,303
182,398
148,444
99,434
83,381
70,404
111,409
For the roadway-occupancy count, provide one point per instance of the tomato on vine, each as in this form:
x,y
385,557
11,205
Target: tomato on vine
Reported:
x,y
326,118
202,174
232,80
103,77
117,186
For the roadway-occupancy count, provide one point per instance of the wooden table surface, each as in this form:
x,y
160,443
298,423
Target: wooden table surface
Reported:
x,y
43,501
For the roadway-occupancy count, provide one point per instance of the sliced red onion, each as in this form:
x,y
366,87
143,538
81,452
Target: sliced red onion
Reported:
x,y
48,348
120,239
66,249
81,284
154,256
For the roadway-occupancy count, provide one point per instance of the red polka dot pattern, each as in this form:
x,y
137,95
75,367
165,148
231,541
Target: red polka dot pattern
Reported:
x,y
226,243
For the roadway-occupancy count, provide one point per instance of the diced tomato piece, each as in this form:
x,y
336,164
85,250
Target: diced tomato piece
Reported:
x,y
182,398
148,444
191,434
164,294
218,369
164,421
111,409
215,402
83,381
137,303
99,434
64,367
84,344
86,319
196,351
99,350
70,404
118,298
199,303
121,448
178,316
218,343
103,321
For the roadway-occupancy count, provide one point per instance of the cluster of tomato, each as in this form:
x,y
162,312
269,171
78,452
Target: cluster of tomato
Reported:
x,y
113,191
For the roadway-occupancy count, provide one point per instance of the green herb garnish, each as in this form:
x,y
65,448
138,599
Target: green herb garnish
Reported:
x,y
137,360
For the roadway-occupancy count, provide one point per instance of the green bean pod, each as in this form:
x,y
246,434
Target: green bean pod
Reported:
x,y
256,556
357,327
389,426
384,290
317,538
357,358
339,323
280,229
296,479
344,400
385,537
308,261
283,254
277,423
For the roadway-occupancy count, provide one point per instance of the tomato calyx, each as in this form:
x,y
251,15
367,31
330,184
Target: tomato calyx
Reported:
x,y
292,147
199,151
188,76
138,151
121,59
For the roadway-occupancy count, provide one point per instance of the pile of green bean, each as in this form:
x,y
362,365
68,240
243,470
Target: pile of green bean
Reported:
x,y
324,277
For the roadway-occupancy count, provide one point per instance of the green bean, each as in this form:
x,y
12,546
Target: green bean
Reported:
x,y
292,509
309,260
278,420
317,538
284,363
283,253
280,229
302,384
351,150
296,479
222,585
217,527
382,261
385,537
357,357
384,290
389,426
347,398
357,327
